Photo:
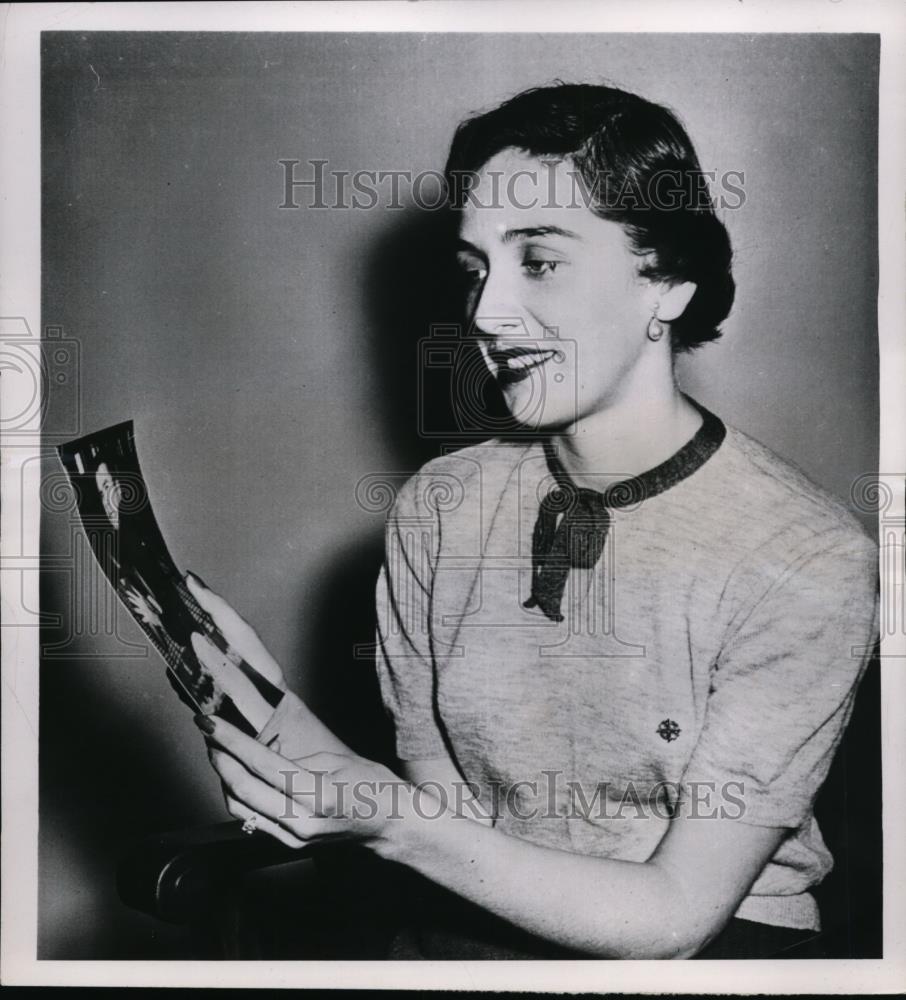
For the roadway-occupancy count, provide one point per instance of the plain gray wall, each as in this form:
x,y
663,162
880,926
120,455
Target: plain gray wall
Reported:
x,y
268,356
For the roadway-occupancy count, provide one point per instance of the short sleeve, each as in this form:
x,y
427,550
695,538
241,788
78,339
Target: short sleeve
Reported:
x,y
783,687
404,660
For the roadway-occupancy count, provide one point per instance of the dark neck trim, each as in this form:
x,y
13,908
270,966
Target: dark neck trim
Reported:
x,y
628,492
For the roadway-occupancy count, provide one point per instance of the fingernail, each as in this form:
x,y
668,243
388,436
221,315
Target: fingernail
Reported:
x,y
205,724
197,579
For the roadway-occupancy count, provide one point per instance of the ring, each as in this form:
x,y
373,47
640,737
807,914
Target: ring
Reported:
x,y
250,825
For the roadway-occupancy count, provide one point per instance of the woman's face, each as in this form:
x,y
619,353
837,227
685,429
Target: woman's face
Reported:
x,y
553,292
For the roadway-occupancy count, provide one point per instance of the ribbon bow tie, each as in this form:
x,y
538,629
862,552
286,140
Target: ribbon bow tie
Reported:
x,y
570,532
573,522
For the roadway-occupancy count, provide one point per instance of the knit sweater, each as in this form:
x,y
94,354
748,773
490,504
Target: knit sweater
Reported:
x,y
708,662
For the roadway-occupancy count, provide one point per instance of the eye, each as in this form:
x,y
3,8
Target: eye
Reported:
x,y
540,268
473,269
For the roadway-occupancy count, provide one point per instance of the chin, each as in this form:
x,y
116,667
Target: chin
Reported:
x,y
535,407
543,419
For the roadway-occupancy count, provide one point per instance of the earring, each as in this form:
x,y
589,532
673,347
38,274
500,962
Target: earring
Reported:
x,y
655,326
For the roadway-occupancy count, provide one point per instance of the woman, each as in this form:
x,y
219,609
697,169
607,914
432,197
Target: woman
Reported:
x,y
617,648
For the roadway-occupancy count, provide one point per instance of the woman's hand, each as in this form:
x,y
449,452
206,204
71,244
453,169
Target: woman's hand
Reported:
x,y
237,632
298,729
322,796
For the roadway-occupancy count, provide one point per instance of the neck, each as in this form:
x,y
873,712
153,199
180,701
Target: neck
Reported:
x,y
650,421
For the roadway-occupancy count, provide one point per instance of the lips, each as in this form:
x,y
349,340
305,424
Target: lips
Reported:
x,y
513,364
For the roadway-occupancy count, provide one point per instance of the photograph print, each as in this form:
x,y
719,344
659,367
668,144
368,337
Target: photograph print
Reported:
x,y
116,515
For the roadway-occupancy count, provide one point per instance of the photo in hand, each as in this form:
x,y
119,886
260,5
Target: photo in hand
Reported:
x,y
115,511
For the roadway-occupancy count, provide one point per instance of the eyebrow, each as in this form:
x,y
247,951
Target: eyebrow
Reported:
x,y
523,234
511,235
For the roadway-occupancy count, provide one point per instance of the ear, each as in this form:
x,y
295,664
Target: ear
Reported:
x,y
673,299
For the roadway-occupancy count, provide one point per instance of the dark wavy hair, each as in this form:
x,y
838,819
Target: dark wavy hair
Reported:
x,y
622,147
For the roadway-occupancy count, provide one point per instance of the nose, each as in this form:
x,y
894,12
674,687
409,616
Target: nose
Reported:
x,y
497,312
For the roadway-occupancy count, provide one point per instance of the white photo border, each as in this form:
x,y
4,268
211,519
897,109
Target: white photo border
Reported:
x,y
20,296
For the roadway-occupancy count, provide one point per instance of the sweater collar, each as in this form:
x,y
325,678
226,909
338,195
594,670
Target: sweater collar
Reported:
x,y
682,464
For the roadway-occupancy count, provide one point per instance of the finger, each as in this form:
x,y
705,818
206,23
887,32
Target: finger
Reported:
x,y
236,630
256,762
260,760
239,810
323,761
289,814
263,798
232,681
180,689
294,783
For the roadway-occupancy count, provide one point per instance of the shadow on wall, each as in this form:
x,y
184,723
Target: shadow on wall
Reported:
x,y
341,686
135,788
848,811
435,392
412,294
